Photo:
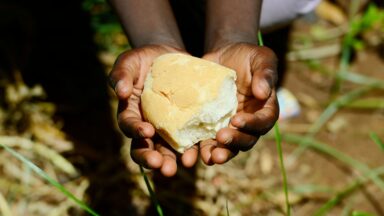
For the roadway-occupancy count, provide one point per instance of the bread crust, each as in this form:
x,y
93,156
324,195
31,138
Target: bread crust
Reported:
x,y
176,89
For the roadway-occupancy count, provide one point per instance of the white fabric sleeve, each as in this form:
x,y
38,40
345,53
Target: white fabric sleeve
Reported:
x,y
276,13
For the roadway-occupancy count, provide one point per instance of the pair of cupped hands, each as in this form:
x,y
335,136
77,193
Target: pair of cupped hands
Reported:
x,y
256,114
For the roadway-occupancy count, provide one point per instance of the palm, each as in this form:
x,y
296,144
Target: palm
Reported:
x,y
257,104
241,59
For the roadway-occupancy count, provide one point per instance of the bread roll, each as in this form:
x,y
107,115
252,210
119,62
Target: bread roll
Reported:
x,y
188,99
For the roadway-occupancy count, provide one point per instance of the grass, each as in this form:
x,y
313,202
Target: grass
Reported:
x,y
279,150
326,115
376,139
350,100
282,167
368,174
323,210
50,180
342,157
151,193
371,17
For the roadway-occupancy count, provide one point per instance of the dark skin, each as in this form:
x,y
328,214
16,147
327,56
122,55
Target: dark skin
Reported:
x,y
231,41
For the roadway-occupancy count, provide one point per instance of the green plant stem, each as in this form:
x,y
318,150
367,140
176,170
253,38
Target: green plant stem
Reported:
x,y
260,38
279,148
346,49
53,182
151,193
282,167
361,79
344,64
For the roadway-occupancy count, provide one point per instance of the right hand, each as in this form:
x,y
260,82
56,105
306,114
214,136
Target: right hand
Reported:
x,y
258,109
127,79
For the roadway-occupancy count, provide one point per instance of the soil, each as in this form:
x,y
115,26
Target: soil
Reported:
x,y
352,138
67,67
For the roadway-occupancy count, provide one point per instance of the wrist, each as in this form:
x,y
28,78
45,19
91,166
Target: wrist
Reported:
x,y
223,38
159,39
230,22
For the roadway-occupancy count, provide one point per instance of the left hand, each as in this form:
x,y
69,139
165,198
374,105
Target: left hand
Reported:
x,y
127,79
258,108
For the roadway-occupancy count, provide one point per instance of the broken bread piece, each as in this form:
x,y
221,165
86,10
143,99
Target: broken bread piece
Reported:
x,y
188,99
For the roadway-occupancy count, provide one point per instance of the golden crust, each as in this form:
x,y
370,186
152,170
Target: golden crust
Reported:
x,y
176,88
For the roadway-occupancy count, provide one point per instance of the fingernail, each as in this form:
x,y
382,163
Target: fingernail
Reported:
x,y
228,141
121,89
265,87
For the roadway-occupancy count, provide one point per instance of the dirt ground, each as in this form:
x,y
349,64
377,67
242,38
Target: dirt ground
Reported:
x,y
68,68
251,183
352,138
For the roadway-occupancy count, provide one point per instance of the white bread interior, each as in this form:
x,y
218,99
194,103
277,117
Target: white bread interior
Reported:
x,y
188,99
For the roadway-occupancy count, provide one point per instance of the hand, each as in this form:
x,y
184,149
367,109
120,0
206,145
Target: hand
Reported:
x,y
127,79
258,108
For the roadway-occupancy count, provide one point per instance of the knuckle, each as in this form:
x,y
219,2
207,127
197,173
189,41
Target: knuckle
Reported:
x,y
125,126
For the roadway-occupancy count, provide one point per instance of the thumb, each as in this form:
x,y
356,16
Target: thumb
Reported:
x,y
123,76
123,86
264,72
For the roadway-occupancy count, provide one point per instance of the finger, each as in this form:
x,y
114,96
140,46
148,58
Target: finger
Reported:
x,y
136,128
235,139
222,154
123,87
123,75
264,72
206,148
261,121
130,120
143,153
189,157
169,166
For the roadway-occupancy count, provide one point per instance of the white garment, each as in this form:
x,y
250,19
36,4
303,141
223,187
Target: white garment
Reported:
x,y
276,13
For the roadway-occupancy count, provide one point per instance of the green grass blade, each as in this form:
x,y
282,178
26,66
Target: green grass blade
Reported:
x,y
331,109
367,103
151,193
326,149
323,210
343,66
260,38
311,188
364,80
50,180
360,213
335,105
377,140
279,148
282,167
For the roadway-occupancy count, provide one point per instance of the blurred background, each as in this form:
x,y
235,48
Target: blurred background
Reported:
x,y
58,112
